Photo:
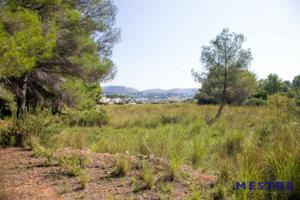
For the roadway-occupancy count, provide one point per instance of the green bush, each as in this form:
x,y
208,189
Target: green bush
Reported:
x,y
40,124
122,166
7,133
255,102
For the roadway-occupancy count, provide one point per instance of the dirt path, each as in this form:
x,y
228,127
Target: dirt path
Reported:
x,y
23,177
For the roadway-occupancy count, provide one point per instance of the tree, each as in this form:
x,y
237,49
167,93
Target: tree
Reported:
x,y
224,61
45,43
272,84
238,92
296,82
22,43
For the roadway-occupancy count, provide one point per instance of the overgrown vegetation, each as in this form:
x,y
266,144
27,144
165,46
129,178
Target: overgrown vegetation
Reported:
x,y
246,144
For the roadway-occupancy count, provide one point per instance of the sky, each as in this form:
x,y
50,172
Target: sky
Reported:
x,y
161,39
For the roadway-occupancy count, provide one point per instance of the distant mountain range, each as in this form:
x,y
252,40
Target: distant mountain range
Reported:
x,y
119,90
122,90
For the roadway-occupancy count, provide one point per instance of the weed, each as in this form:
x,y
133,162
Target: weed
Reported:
x,y
122,166
167,188
75,166
147,175
83,179
194,196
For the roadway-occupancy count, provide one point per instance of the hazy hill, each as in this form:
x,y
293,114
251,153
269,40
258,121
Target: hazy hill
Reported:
x,y
122,90
154,91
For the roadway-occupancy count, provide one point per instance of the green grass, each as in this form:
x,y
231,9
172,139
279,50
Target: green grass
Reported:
x,y
246,144
122,166
148,176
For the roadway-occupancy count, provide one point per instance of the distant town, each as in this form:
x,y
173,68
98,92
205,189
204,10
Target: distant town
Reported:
x,y
125,95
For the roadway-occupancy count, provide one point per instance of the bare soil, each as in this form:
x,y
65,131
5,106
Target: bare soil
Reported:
x,y
24,177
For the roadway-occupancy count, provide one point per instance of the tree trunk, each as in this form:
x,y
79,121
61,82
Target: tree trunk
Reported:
x,y
218,115
223,98
22,110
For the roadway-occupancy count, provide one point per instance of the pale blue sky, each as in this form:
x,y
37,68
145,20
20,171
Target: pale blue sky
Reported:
x,y
162,39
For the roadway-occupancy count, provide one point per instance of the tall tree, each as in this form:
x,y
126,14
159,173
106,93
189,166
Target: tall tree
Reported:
x,y
224,61
45,43
273,84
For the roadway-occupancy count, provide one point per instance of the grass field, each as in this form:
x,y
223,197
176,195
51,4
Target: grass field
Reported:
x,y
247,144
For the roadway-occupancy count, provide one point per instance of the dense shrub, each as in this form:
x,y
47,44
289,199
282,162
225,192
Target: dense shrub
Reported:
x,y
42,125
203,99
261,95
7,136
255,102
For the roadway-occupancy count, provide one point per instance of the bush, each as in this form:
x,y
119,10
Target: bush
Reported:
x,y
203,99
122,166
7,103
279,101
7,133
255,102
261,95
74,166
40,124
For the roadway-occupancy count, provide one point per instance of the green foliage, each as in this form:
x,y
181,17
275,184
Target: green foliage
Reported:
x,y
226,79
273,84
40,68
7,102
22,42
296,82
40,124
7,136
83,96
255,102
